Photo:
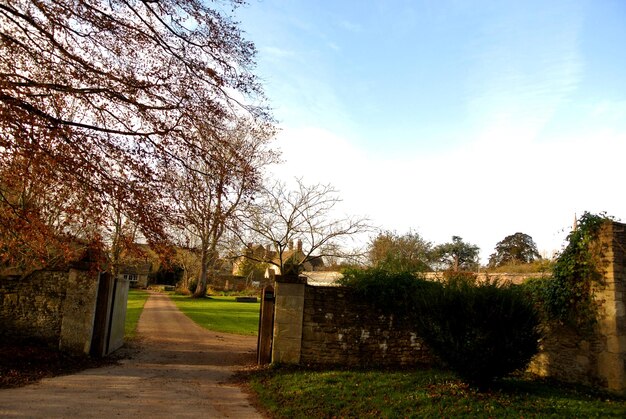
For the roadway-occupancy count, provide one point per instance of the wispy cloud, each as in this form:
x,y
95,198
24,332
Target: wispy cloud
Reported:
x,y
614,111
350,26
536,145
275,52
333,46
523,69
479,191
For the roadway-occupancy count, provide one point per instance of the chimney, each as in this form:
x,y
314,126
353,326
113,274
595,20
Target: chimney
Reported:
x,y
290,248
299,245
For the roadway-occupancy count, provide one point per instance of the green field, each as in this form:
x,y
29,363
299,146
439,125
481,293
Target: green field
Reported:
x,y
301,393
136,301
221,314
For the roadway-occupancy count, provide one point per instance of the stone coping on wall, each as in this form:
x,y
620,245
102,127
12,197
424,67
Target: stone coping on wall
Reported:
x,y
512,278
331,278
291,279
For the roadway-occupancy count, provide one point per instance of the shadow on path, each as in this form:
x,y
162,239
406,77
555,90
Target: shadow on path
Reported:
x,y
181,370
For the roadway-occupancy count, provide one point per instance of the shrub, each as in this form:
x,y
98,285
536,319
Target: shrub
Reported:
x,y
459,278
192,285
481,332
393,292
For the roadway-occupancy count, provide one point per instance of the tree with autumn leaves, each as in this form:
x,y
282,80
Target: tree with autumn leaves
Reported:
x,y
100,103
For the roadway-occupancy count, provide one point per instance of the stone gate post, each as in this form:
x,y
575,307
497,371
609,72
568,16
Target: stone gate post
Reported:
x,y
612,315
78,313
289,308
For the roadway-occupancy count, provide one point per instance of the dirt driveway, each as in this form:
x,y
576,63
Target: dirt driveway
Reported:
x,y
181,370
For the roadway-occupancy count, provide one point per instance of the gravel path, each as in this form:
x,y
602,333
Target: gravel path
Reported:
x,y
181,370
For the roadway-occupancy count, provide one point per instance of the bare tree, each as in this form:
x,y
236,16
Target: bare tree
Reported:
x,y
211,188
106,93
307,214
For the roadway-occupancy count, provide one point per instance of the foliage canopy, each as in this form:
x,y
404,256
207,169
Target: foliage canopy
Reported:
x,y
98,100
516,248
393,292
408,252
457,255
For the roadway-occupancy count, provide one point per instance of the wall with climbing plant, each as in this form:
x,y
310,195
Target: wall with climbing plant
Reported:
x,y
585,308
583,317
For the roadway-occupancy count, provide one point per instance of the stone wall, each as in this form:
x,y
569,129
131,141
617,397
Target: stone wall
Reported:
x,y
503,278
612,322
329,325
31,307
566,355
599,358
57,307
338,328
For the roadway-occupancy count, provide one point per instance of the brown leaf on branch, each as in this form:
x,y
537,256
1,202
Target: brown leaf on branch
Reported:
x,y
99,100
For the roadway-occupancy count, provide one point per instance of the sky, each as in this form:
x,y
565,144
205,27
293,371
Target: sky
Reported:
x,y
478,119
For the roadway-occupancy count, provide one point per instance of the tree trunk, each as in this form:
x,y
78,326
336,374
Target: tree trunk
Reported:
x,y
200,291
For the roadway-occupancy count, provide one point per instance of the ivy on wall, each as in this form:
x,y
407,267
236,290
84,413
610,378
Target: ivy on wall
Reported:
x,y
567,297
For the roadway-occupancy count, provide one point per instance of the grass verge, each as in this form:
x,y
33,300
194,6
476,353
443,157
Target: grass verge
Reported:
x,y
136,300
303,393
220,314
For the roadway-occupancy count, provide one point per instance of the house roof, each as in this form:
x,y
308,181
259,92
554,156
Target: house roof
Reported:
x,y
135,269
269,255
315,261
323,278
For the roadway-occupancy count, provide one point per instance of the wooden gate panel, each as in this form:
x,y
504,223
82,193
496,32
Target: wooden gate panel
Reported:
x,y
101,320
266,326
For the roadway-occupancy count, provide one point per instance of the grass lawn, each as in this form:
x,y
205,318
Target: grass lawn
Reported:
x,y
301,393
221,314
136,301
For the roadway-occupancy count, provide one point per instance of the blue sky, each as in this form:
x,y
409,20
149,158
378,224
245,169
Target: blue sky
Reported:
x,y
470,118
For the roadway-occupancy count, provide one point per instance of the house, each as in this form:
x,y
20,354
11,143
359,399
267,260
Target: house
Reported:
x,y
291,255
135,264
266,256
252,255
136,274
